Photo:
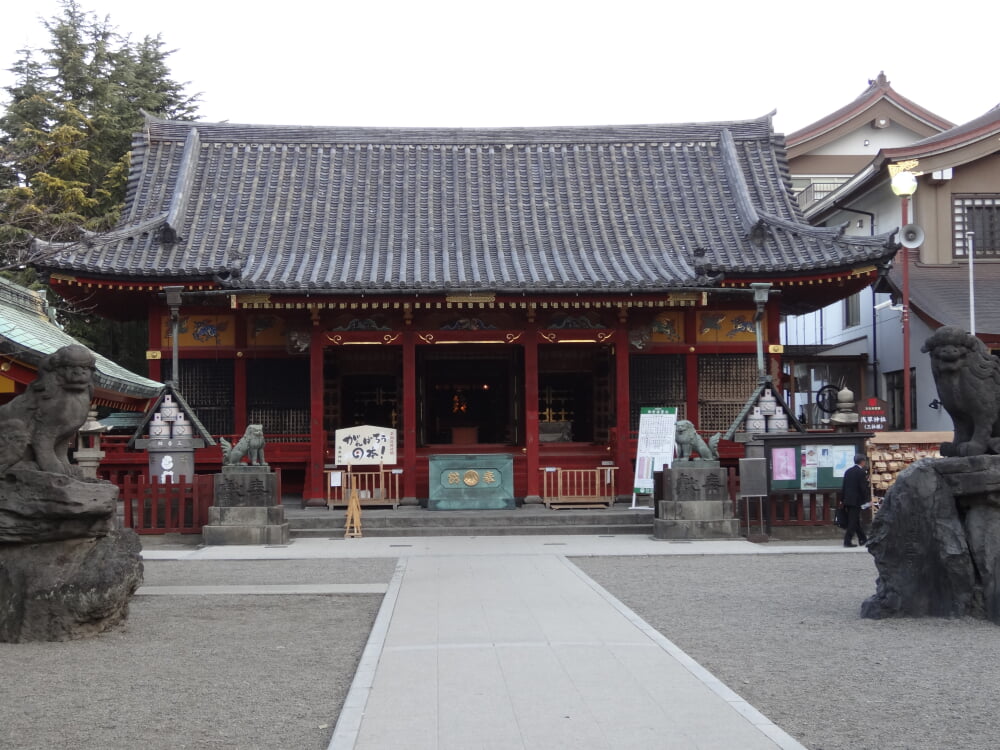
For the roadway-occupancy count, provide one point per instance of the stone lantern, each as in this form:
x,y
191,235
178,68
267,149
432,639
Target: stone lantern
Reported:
x,y
88,453
845,419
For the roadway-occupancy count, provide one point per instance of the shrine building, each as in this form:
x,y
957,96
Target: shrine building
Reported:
x,y
520,291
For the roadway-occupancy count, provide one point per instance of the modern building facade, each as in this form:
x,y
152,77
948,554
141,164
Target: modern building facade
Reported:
x,y
957,186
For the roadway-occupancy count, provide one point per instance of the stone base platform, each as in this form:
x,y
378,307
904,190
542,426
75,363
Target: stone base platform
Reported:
x,y
694,504
246,509
679,528
246,525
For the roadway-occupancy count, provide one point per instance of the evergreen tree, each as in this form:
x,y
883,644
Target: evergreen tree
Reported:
x,y
68,124
65,135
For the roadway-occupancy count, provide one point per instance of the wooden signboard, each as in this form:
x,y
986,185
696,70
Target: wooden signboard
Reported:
x,y
873,416
365,445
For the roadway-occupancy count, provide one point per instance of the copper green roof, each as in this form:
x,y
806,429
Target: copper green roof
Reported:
x,y
28,332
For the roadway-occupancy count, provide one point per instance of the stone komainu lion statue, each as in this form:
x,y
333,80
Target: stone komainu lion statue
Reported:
x,y
250,446
41,423
967,377
689,441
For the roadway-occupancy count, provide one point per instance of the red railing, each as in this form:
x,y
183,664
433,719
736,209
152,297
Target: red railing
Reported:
x,y
807,508
578,488
166,508
378,487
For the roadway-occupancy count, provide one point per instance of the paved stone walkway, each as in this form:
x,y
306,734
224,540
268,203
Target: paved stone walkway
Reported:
x,y
502,643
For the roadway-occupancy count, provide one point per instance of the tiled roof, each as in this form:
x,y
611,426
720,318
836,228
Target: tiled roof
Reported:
x,y
940,294
28,333
363,210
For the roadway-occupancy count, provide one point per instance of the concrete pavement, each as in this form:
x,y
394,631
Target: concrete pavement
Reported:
x,y
501,642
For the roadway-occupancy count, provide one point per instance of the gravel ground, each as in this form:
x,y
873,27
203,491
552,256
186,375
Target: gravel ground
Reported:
x,y
784,632
247,672
199,672
264,572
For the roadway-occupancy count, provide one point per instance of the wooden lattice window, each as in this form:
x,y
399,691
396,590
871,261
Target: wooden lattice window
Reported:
x,y
980,215
656,380
278,395
725,382
207,386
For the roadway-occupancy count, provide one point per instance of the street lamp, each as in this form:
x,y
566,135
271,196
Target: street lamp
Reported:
x,y
173,295
970,238
761,291
904,184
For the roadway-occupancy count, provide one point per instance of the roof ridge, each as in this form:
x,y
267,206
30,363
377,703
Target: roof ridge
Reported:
x,y
160,129
29,300
878,88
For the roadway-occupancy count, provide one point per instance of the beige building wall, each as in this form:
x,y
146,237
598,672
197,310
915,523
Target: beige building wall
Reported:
x,y
933,204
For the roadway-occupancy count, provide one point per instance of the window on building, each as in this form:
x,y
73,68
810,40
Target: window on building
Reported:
x,y
894,396
278,395
207,385
852,311
656,380
978,213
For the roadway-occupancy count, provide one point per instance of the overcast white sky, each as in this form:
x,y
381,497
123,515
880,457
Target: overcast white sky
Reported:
x,y
551,62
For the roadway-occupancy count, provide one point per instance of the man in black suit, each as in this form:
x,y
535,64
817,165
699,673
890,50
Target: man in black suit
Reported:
x,y
854,494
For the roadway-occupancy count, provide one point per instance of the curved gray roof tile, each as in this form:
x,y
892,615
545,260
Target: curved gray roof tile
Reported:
x,y
345,210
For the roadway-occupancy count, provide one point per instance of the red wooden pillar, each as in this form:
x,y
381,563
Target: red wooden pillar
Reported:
x,y
691,388
240,377
532,492
409,416
156,342
623,446
317,437
772,334
239,394
691,369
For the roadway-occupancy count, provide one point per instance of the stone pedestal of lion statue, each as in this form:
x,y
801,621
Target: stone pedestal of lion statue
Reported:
x,y
67,569
247,508
694,500
936,537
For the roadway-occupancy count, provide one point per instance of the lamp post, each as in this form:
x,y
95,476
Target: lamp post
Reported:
x,y
761,291
970,238
904,184
173,294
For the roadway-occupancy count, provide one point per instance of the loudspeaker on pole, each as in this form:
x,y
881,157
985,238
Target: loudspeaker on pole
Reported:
x,y
911,236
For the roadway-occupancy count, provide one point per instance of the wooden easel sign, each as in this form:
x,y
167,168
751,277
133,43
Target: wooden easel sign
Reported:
x,y
352,526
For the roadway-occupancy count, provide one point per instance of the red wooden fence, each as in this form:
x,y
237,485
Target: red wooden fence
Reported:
x,y
805,508
166,508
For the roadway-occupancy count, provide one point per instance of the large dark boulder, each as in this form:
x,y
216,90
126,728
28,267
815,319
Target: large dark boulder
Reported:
x,y
936,541
39,506
66,568
72,588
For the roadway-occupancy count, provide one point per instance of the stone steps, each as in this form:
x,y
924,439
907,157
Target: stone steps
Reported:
x,y
412,522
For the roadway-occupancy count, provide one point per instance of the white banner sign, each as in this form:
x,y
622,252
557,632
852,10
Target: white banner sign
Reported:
x,y
657,430
365,444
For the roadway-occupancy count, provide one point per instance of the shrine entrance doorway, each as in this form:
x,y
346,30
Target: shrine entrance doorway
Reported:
x,y
575,393
469,395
